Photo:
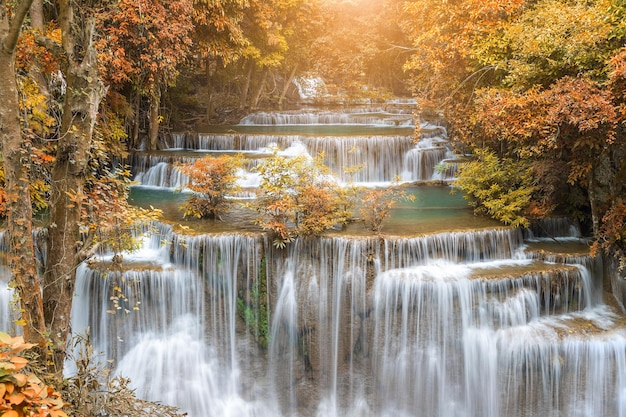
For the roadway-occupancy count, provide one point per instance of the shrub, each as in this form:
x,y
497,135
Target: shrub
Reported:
x,y
500,188
377,205
23,394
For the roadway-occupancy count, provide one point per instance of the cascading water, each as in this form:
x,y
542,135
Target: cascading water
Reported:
x,y
6,302
362,146
453,324
476,323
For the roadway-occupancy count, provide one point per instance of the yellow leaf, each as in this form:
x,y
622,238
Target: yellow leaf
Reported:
x,y
10,413
5,338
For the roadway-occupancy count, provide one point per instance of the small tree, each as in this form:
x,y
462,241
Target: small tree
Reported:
x,y
299,197
212,179
377,205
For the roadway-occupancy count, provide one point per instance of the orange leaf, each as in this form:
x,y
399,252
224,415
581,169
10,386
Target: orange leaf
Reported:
x,y
16,398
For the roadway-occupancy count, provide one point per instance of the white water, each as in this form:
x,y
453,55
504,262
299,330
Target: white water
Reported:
x,y
7,306
357,159
368,160
453,324
300,117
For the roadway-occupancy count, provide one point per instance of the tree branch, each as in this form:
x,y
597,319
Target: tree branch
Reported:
x,y
10,41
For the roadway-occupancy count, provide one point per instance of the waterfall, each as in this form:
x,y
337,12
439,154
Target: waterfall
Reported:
x,y
326,117
360,159
172,314
449,324
474,323
367,145
7,316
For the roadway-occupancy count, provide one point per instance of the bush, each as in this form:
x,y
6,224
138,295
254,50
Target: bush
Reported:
x,y
377,205
91,392
23,394
500,188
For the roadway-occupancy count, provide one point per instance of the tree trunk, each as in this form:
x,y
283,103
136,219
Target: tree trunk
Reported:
x,y
155,104
16,162
283,93
137,105
36,14
260,89
37,22
246,85
591,191
80,110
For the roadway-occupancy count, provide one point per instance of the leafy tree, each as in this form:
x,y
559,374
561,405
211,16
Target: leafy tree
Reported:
x,y
143,44
360,46
299,197
532,82
81,103
500,188
572,122
550,40
611,237
213,180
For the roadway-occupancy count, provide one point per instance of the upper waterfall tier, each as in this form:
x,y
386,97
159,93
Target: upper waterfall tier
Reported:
x,y
359,159
368,145
374,117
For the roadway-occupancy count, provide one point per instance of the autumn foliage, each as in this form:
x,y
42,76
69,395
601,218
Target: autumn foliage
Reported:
x,y
536,90
22,393
376,206
212,180
299,197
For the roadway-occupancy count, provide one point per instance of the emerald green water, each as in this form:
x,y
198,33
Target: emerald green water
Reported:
x,y
435,209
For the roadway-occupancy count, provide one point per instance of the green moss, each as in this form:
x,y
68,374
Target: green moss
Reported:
x,y
256,312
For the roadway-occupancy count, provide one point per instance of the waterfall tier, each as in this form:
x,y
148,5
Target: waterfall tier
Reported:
x,y
365,146
461,324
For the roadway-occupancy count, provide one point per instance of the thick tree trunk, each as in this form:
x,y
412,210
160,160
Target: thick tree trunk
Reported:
x,y
155,104
80,110
16,162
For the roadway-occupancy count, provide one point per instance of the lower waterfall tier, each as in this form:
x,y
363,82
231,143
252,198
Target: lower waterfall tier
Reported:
x,y
460,324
